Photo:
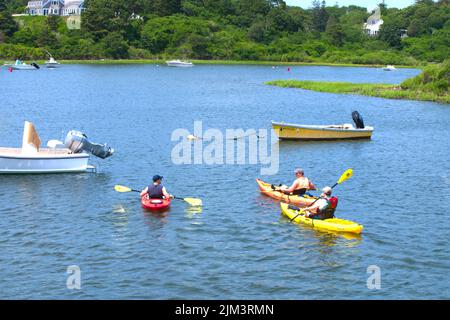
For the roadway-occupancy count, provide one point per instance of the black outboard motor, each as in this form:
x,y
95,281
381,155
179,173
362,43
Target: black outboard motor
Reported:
x,y
358,120
34,64
77,142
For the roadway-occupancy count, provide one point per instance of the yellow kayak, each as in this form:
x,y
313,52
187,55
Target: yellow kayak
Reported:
x,y
300,201
337,225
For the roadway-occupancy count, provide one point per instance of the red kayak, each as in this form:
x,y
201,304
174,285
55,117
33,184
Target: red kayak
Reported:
x,y
154,204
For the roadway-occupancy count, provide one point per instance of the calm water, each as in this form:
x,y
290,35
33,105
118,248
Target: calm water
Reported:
x,y
239,246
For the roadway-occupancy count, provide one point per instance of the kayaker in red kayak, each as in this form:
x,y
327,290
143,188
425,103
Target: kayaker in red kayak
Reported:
x,y
156,190
300,185
324,208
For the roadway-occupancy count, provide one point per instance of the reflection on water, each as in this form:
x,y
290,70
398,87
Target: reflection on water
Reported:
x,y
191,211
156,219
118,208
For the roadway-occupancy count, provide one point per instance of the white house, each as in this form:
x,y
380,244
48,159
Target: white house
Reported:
x,y
373,24
55,7
72,7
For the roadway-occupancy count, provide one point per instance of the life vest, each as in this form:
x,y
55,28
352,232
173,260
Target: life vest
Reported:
x,y
155,191
330,208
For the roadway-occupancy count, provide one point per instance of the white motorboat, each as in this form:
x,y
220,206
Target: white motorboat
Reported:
x,y
72,156
14,160
52,63
389,68
19,65
179,63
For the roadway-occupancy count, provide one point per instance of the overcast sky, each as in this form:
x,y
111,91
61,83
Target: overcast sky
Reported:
x,y
370,4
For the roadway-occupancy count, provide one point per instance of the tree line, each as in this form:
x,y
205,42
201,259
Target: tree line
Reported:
x,y
230,30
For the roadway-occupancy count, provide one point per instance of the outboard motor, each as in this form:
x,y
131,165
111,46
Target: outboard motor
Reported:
x,y
358,120
35,65
77,142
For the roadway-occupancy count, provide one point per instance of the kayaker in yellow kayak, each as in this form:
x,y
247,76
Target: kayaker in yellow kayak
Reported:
x,y
323,208
300,185
156,190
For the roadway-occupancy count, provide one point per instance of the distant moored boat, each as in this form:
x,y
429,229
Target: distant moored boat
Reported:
x,y
179,63
19,65
389,68
52,63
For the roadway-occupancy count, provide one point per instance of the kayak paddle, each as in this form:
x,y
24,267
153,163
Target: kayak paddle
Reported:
x,y
345,176
300,191
191,201
120,188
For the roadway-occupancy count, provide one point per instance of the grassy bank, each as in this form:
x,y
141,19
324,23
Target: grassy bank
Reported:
x,y
218,62
431,85
228,62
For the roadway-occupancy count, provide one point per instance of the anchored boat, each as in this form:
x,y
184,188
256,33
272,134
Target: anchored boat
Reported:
x,y
70,156
389,68
51,62
179,63
19,65
290,131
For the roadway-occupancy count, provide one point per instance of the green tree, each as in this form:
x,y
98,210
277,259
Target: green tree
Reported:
x,y
101,17
335,31
164,7
390,33
256,32
53,21
199,45
319,15
115,46
7,24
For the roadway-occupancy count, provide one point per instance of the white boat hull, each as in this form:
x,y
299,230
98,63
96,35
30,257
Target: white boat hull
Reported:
x,y
21,67
12,161
52,65
180,64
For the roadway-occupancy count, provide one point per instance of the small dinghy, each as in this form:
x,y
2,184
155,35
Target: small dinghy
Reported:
x,y
70,156
289,131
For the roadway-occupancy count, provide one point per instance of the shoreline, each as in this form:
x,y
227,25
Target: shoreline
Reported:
x,y
386,91
220,62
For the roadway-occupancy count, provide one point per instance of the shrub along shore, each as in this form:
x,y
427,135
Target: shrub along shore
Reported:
x,y
431,85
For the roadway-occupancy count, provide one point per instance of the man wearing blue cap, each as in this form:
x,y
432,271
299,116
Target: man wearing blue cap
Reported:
x,y
156,190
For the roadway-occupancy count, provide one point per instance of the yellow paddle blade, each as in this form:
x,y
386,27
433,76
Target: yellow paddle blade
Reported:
x,y
347,174
194,201
120,188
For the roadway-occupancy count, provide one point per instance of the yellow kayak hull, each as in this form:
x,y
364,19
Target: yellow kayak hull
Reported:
x,y
286,131
299,201
336,225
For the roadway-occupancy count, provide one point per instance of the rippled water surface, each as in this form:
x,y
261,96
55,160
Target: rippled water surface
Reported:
x,y
239,246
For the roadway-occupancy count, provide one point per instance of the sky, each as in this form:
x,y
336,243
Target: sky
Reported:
x,y
370,4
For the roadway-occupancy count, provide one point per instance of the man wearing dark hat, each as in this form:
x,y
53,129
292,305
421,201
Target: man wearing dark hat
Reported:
x,y
156,190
